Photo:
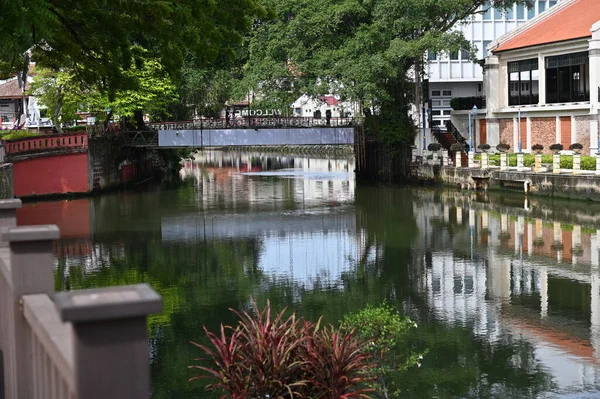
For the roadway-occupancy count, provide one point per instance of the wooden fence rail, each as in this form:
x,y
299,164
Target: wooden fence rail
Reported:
x,y
70,345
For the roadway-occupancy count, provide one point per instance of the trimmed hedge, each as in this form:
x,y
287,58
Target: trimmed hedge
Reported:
x,y
566,161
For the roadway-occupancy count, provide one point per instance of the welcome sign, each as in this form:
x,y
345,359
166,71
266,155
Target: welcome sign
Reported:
x,y
258,112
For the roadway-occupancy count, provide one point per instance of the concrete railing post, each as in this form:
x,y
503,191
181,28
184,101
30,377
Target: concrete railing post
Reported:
x,y
435,158
503,161
8,217
31,259
556,164
598,163
520,162
445,158
538,163
110,342
458,159
485,163
471,159
576,163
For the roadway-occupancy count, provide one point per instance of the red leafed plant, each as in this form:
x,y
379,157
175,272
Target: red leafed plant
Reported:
x,y
284,358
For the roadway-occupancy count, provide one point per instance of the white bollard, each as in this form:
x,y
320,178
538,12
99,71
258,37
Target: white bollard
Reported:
x,y
598,163
538,163
458,159
435,159
445,158
520,162
471,159
556,164
485,163
576,163
503,161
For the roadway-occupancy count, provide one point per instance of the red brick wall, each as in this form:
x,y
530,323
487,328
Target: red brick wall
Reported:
x,y
506,132
65,173
543,131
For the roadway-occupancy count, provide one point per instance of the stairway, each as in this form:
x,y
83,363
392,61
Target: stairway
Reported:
x,y
448,137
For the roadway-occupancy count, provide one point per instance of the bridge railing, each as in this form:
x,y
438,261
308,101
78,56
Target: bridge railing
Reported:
x,y
253,122
49,142
88,344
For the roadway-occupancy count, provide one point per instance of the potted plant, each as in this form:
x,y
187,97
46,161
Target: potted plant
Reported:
x,y
576,148
556,148
484,147
434,147
537,148
503,147
457,147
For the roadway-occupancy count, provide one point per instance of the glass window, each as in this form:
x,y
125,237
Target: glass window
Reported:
x,y
435,93
436,103
510,13
447,93
486,43
541,6
520,11
454,55
568,78
436,112
464,54
530,10
436,123
498,14
431,55
523,87
551,3
487,14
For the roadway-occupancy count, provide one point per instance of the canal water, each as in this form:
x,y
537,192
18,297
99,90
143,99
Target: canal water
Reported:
x,y
505,290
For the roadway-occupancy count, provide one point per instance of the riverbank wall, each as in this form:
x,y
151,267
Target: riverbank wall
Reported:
x,y
583,186
75,165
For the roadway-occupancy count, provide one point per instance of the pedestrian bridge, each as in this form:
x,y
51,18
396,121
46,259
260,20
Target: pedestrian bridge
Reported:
x,y
271,131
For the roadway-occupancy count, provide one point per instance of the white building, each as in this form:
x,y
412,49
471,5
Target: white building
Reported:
x,y
454,75
307,106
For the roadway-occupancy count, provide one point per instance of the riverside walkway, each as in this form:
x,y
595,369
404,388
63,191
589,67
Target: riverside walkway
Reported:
x,y
83,344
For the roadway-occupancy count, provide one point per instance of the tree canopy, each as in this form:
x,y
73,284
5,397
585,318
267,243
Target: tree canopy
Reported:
x,y
363,50
95,38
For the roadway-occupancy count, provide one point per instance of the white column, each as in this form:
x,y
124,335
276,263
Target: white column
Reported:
x,y
515,145
573,130
558,240
594,50
542,79
529,238
459,215
557,139
544,292
527,146
484,220
446,214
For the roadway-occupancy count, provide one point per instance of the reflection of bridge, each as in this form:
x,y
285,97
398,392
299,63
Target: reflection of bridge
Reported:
x,y
200,227
251,131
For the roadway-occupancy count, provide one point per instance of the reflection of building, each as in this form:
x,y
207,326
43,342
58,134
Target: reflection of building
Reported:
x,y
504,274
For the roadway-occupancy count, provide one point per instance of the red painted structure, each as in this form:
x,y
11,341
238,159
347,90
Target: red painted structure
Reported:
x,y
72,217
64,173
74,141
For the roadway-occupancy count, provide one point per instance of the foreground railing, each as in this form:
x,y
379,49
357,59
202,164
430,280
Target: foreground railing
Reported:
x,y
79,344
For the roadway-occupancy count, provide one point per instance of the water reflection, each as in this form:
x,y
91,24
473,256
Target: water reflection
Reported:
x,y
505,289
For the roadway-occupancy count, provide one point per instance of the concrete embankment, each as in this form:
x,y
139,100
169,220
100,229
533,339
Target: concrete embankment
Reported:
x,y
580,186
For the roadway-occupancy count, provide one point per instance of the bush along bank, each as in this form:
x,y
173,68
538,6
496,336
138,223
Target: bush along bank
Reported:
x,y
566,161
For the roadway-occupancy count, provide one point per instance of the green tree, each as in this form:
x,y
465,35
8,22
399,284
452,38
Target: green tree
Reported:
x,y
363,50
95,38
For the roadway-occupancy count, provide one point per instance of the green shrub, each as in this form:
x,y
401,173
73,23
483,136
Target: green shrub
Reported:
x,y
17,134
385,331
285,358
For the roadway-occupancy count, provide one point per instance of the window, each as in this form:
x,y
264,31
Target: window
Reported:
x,y
520,11
568,78
431,55
479,87
436,123
447,93
436,112
551,3
447,112
454,55
464,54
487,13
498,14
436,103
486,43
510,13
541,6
523,79
530,10
445,103
435,93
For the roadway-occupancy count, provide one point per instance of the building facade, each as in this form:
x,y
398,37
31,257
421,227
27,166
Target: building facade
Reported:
x,y
455,75
542,81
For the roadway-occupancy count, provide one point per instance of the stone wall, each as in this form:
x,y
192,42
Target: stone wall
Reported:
x,y
506,132
582,135
103,163
543,131
7,189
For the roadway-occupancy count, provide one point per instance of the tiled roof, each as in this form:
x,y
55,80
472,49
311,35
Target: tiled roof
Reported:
x,y
574,21
330,100
10,89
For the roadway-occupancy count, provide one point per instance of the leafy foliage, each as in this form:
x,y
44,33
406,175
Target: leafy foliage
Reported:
x,y
434,147
484,147
467,103
537,147
503,147
284,358
385,331
556,147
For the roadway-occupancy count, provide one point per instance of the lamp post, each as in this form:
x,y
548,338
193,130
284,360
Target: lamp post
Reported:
x,y
472,117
